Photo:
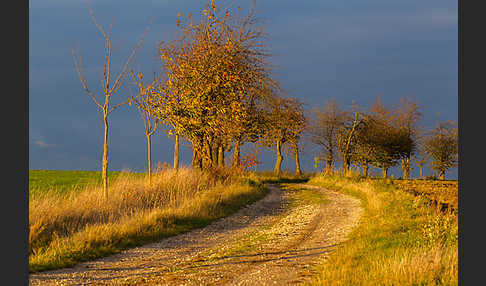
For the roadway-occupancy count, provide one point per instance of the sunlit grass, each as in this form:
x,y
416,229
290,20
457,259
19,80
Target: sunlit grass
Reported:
x,y
65,230
400,240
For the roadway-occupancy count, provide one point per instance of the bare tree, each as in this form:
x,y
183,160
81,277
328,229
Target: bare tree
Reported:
x,y
109,89
144,101
325,128
347,137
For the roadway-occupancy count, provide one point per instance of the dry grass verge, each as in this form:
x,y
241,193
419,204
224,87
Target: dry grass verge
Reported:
x,y
82,225
400,240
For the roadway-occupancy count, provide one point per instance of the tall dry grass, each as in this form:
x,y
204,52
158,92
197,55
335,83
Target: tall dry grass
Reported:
x,y
64,230
400,240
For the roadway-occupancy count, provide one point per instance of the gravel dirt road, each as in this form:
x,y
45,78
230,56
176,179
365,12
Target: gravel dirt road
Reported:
x,y
271,242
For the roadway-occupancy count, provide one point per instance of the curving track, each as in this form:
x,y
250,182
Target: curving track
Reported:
x,y
266,243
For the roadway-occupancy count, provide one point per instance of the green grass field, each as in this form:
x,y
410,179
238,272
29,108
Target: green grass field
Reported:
x,y
64,181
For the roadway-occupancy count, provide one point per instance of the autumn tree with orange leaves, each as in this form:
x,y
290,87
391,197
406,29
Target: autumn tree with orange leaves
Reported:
x,y
285,121
216,74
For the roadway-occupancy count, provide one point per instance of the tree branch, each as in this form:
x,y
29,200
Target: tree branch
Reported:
x,y
120,77
91,13
81,75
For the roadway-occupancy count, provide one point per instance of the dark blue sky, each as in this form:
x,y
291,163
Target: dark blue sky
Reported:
x,y
350,50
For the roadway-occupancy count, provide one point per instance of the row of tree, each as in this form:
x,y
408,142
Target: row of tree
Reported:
x,y
382,137
216,91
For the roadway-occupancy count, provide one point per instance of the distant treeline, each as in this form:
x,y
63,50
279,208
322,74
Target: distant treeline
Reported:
x,y
383,137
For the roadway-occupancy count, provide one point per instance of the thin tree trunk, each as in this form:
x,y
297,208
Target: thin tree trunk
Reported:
x,y
104,168
345,164
203,155
214,154
208,158
297,162
420,170
149,157
196,158
236,155
176,152
278,163
193,157
329,161
365,170
220,156
328,169
384,172
406,167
